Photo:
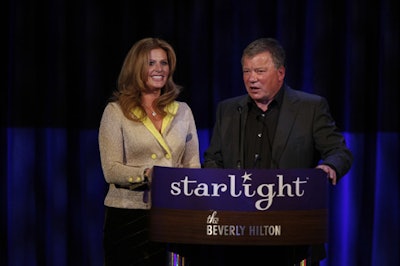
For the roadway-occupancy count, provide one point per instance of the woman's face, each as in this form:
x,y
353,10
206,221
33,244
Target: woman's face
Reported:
x,y
158,69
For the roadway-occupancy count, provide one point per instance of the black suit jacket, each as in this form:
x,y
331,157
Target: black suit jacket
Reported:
x,y
306,134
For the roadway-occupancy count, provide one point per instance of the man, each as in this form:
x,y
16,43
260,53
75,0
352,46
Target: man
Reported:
x,y
275,127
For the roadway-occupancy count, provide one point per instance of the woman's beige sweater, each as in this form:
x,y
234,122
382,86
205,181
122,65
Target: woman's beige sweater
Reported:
x,y
127,148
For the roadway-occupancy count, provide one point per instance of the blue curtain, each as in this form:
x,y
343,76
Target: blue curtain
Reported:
x,y
63,59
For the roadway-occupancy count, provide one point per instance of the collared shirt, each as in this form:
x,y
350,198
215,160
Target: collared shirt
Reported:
x,y
260,132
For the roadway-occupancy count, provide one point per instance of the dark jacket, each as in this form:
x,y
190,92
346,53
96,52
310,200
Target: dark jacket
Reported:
x,y
305,134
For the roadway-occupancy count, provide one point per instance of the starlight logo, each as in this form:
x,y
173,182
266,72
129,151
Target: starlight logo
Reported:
x,y
264,192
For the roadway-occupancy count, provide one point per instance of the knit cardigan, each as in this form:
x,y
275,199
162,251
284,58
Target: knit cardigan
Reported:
x,y
127,148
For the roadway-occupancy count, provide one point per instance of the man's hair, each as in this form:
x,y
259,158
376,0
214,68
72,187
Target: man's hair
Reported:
x,y
262,45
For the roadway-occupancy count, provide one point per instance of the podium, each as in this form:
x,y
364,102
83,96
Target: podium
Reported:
x,y
239,206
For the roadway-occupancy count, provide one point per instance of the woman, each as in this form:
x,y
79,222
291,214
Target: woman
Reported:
x,y
143,125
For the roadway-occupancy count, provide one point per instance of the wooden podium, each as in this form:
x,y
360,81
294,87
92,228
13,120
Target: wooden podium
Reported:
x,y
239,206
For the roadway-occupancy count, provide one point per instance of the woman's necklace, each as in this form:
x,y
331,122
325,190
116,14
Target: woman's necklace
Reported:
x,y
153,113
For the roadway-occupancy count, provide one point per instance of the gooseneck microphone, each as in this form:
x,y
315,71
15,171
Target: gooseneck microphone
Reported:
x,y
257,158
239,162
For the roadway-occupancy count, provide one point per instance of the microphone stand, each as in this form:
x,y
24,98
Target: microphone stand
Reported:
x,y
239,163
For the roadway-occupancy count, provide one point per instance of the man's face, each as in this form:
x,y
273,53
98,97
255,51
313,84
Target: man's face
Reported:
x,y
261,78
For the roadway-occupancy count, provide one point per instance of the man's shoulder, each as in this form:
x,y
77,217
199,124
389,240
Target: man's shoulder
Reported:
x,y
301,95
234,100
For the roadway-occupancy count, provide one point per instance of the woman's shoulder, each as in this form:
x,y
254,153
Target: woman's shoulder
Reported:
x,y
181,104
181,108
113,106
112,109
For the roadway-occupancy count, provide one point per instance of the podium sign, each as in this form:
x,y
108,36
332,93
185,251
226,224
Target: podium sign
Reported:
x,y
239,206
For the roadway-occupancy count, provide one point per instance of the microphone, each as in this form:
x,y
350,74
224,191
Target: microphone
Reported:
x,y
239,162
257,158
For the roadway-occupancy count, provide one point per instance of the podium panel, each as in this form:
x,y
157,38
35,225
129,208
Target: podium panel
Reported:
x,y
239,206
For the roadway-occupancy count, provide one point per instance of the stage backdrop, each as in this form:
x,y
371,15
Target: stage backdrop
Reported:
x,y
62,59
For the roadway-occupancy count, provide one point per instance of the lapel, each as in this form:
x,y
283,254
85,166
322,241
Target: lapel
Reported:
x,y
288,113
171,109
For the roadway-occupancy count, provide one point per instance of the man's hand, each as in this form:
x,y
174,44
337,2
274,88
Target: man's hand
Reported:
x,y
329,171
